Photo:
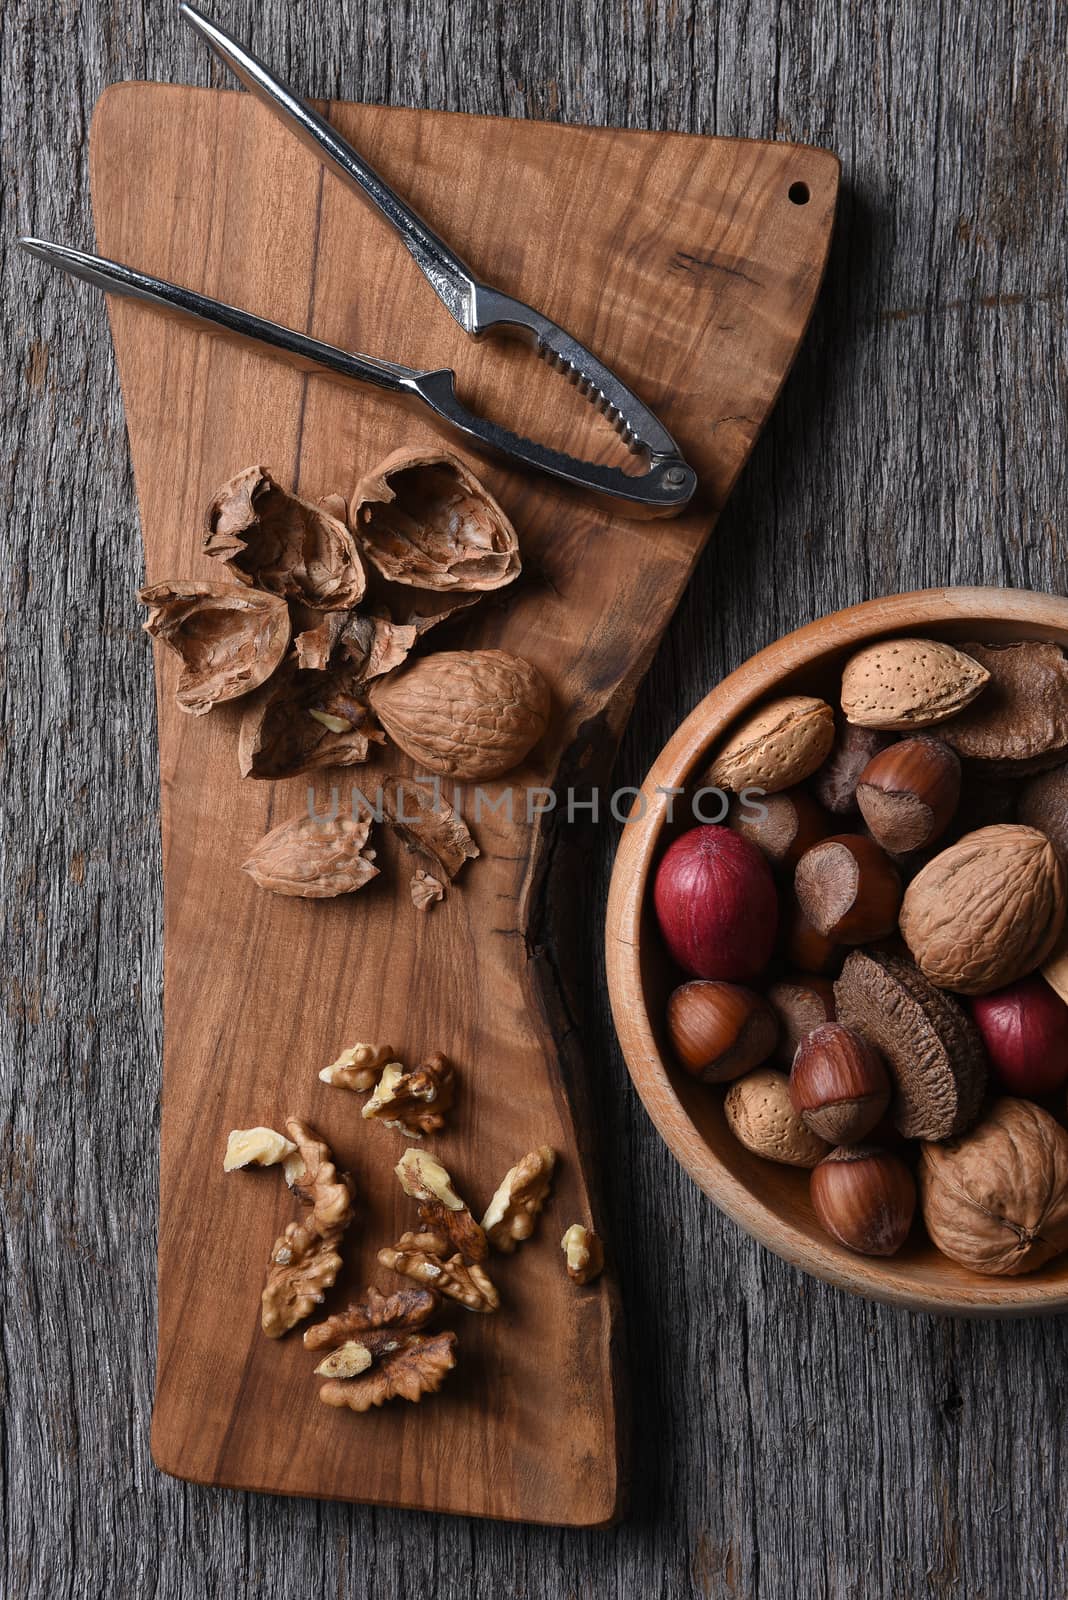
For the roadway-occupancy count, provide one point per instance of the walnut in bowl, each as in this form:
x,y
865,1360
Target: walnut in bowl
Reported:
x,y
769,1200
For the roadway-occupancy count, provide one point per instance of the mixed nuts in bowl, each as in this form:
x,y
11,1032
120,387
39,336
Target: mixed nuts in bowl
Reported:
x,y
835,949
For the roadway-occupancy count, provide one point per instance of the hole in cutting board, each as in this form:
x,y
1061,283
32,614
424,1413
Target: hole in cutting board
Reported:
x,y
798,193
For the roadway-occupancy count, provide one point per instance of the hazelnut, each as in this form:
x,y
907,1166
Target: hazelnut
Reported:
x,y
848,889
801,1004
907,794
838,1084
782,825
807,949
865,1198
720,1030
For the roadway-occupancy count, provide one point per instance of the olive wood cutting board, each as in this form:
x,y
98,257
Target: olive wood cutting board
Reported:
x,y
691,266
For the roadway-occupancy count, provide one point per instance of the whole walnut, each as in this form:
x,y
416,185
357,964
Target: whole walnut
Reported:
x,y
987,910
996,1200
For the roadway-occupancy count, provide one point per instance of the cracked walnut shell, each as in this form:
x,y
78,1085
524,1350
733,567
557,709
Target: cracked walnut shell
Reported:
x,y
464,713
423,518
283,544
305,721
313,859
513,1211
229,638
996,1200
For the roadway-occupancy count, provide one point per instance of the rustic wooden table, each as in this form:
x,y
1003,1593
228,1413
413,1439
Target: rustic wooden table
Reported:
x,y
787,1439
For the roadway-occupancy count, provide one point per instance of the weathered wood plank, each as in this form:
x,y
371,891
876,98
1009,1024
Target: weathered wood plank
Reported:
x,y
791,1437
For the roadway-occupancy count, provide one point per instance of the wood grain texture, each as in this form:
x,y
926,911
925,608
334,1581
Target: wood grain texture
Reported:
x,y
714,274
768,1200
791,1438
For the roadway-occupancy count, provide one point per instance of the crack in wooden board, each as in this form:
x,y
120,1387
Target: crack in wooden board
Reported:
x,y
684,264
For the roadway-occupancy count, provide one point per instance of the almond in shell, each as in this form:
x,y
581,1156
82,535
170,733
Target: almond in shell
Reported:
x,y
909,683
987,910
776,747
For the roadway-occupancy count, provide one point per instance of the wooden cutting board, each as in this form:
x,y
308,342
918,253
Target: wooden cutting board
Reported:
x,y
691,266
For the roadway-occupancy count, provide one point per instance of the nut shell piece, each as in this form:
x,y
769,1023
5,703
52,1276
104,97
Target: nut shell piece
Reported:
x,y
283,544
909,683
313,860
987,910
422,518
1043,805
933,1050
1021,723
997,1199
760,1115
229,638
305,721
464,713
776,747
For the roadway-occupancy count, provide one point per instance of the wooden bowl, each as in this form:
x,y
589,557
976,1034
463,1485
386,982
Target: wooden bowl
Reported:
x,y
768,1200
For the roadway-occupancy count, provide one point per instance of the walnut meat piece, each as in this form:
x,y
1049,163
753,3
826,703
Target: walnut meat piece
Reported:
x,y
513,1211
313,860
440,1208
359,1066
419,1367
278,542
229,639
256,1147
420,1256
305,721
583,1254
347,1361
996,1200
374,1317
414,1102
422,518
305,1260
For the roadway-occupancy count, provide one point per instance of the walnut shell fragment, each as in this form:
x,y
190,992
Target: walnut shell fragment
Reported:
x,y
416,1102
987,910
229,639
358,1067
417,1368
376,645
283,544
513,1211
305,721
909,683
313,859
422,518
1021,723
426,890
304,1260
464,713
424,821
932,1048
997,1199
